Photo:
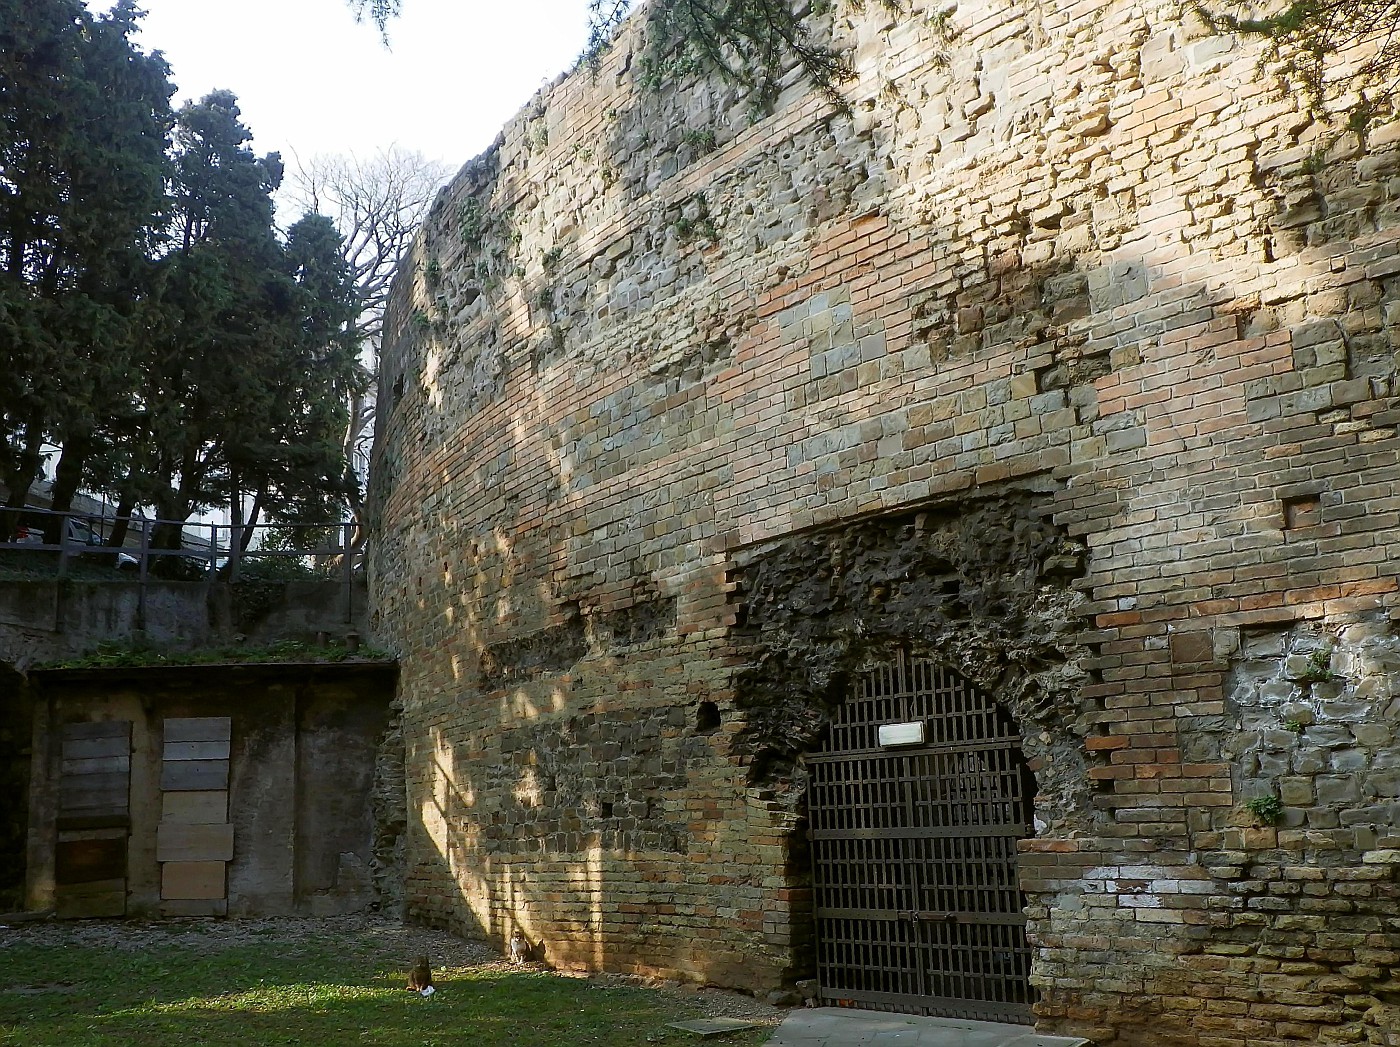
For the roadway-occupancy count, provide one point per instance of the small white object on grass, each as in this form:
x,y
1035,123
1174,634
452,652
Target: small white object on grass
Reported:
x,y
427,990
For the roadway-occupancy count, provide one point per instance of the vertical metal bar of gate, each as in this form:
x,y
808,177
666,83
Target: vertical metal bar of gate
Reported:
x,y
914,850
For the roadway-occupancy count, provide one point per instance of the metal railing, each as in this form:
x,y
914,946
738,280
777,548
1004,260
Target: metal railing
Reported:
x,y
205,551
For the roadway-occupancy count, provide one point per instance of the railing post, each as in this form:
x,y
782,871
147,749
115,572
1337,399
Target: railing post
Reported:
x,y
58,602
213,550
143,570
63,546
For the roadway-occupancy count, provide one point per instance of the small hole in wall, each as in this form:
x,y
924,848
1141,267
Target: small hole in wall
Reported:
x,y
707,717
398,389
607,809
1303,511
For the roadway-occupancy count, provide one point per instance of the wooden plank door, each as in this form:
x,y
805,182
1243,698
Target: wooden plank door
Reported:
x,y
94,819
194,842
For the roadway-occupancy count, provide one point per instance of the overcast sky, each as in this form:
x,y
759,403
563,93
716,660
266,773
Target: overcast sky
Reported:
x,y
311,80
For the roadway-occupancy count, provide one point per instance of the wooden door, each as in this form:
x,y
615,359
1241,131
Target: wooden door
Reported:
x,y
94,819
194,843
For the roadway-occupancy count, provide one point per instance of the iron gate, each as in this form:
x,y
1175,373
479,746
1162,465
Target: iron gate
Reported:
x,y
914,850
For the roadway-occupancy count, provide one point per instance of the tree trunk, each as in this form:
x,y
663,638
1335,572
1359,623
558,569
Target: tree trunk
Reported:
x,y
67,478
122,523
168,534
19,472
169,530
253,514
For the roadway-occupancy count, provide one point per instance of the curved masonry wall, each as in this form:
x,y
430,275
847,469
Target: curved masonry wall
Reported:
x,y
1061,357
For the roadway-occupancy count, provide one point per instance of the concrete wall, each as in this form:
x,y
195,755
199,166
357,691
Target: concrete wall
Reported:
x,y
1058,356
48,621
302,769
42,621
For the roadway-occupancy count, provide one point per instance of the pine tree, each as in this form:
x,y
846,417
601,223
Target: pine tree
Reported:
x,y
224,297
83,122
293,466
119,211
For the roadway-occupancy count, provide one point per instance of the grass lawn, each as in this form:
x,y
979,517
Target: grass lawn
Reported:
x,y
336,993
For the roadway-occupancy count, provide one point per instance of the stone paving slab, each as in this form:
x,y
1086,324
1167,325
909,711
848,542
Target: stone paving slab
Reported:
x,y
712,1026
847,1027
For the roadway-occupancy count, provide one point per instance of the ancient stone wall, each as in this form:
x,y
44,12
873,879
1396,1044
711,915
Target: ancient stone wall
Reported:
x,y
1061,355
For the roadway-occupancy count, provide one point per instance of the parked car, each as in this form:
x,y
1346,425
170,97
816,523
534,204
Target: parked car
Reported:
x,y
80,532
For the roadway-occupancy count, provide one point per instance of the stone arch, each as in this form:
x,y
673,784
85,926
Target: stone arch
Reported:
x,y
985,586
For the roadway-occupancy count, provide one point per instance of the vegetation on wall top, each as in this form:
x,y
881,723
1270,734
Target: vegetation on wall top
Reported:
x,y
751,42
127,655
747,42
1304,40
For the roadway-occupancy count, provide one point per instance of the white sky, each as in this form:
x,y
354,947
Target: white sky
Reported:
x,y
310,80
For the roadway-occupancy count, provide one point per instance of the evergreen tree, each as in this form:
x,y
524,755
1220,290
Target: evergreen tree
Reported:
x,y
84,119
1304,39
377,205
250,351
119,205
293,467
224,303
153,323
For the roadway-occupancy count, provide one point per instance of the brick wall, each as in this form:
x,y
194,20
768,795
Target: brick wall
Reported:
x,y
1078,265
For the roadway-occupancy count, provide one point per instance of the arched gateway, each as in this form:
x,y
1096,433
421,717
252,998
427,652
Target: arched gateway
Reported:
x,y
917,799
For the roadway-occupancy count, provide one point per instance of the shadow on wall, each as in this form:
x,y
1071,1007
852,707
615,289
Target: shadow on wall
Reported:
x,y
576,830
1077,377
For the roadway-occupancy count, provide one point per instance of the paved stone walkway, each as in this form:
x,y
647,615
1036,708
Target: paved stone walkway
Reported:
x,y
846,1027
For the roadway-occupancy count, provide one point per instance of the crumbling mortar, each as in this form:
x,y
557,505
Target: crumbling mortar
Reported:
x,y
964,584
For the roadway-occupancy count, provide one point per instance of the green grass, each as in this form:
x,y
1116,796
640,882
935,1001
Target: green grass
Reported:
x,y
314,994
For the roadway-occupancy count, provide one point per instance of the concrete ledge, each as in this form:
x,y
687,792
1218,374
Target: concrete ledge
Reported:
x,y
848,1027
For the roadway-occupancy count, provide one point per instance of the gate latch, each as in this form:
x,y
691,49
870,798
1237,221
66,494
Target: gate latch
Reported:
x,y
923,916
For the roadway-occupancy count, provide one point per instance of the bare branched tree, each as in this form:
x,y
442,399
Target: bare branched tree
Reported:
x,y
377,204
